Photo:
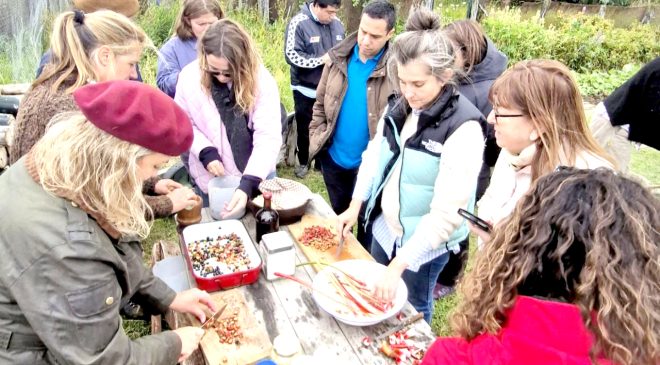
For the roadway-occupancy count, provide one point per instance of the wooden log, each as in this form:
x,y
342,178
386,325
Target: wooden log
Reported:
x,y
14,89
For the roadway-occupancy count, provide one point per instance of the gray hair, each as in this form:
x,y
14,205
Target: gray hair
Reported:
x,y
423,40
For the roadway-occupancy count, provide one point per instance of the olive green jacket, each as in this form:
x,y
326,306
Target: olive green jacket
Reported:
x,y
63,280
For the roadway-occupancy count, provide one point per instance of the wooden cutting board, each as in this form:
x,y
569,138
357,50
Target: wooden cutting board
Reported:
x,y
352,248
254,345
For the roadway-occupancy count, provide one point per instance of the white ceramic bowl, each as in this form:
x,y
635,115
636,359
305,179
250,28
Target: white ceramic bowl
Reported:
x,y
365,270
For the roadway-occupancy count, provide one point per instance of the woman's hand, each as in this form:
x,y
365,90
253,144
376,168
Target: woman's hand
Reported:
x,y
164,186
182,198
216,168
193,301
485,236
386,287
347,219
190,337
236,204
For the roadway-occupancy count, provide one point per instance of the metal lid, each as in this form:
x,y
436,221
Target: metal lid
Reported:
x,y
277,241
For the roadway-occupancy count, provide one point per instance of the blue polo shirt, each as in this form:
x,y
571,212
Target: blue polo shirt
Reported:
x,y
352,130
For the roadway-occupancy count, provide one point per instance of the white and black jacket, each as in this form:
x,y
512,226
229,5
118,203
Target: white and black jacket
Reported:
x,y
306,41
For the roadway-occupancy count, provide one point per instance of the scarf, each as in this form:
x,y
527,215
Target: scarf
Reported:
x,y
521,160
235,122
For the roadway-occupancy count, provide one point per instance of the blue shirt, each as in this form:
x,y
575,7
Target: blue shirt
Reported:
x,y
352,129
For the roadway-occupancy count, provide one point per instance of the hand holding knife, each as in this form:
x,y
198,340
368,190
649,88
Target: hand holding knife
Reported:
x,y
215,316
341,245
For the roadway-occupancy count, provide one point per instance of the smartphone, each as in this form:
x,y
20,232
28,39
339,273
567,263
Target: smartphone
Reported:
x,y
482,224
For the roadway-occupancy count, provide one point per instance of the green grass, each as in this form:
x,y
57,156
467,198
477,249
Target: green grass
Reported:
x,y
646,162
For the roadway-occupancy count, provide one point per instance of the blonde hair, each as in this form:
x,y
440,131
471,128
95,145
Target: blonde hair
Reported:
x,y
545,91
96,169
192,9
469,40
585,237
226,38
74,45
423,41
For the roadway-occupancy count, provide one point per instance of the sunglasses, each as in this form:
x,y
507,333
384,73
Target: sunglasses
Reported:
x,y
218,73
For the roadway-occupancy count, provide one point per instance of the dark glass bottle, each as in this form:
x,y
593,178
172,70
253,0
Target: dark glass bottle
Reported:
x,y
268,220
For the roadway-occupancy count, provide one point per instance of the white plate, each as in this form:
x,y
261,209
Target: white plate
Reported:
x,y
365,270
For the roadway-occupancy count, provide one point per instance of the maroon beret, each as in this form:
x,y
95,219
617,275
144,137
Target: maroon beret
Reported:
x,y
137,113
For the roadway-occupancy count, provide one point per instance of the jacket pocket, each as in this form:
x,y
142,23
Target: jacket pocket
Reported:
x,y
96,315
94,300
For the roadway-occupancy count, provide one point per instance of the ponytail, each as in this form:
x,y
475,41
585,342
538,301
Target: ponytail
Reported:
x,y
75,39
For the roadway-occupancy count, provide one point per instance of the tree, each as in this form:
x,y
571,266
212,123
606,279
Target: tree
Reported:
x,y
352,14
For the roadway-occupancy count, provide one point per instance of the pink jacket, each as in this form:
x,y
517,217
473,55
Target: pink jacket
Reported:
x,y
536,332
264,121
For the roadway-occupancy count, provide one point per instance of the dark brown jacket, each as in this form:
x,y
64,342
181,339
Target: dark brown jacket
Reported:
x,y
38,107
332,89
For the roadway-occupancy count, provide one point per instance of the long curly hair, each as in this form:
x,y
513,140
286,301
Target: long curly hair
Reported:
x,y
590,238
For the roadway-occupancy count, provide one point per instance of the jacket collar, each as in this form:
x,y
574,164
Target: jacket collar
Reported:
x,y
556,325
100,220
344,49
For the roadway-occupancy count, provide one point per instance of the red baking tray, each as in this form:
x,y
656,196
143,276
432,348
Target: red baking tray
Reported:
x,y
198,232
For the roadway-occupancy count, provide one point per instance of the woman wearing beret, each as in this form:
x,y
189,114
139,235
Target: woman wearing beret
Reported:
x,y
71,255
570,278
100,46
235,112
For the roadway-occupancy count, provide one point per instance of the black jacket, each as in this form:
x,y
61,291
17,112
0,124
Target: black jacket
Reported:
x,y
305,42
637,103
478,82
475,88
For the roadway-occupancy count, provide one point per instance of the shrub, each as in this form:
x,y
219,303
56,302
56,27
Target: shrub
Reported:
x,y
518,38
584,43
599,84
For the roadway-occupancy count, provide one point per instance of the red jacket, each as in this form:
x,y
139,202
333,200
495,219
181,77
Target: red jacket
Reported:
x,y
537,332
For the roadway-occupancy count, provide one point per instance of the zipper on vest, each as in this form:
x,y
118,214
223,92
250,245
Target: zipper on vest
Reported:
x,y
403,228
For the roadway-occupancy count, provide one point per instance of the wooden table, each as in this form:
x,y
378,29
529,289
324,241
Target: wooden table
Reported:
x,y
285,307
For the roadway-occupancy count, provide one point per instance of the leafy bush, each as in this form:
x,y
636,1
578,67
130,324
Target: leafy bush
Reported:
x,y
599,84
584,43
518,38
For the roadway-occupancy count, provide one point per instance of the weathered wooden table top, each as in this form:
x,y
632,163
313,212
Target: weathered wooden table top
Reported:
x,y
285,307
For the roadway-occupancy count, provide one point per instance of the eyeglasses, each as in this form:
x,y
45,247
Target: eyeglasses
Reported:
x,y
218,73
497,116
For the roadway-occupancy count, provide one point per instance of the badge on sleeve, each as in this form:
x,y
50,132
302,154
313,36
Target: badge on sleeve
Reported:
x,y
339,37
315,39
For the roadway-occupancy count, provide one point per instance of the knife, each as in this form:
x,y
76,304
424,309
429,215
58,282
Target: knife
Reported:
x,y
341,245
214,316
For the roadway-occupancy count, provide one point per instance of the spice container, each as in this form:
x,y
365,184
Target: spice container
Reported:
x,y
277,254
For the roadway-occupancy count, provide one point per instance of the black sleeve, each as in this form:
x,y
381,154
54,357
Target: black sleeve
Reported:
x,y
250,185
208,155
